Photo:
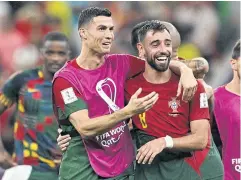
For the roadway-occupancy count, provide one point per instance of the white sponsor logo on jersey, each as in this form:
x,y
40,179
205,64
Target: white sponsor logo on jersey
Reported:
x,y
68,95
203,100
237,164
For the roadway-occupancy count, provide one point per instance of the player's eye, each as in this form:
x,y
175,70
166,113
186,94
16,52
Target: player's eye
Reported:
x,y
49,52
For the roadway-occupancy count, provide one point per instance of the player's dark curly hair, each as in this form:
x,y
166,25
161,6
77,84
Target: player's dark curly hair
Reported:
x,y
152,25
88,14
236,50
135,33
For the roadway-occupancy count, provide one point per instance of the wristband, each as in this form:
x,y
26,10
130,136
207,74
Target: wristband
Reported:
x,y
169,141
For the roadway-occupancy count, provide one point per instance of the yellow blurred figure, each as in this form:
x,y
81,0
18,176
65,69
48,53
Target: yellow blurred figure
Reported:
x,y
62,11
188,51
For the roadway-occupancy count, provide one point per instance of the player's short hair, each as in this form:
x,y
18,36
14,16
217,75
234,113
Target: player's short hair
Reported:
x,y
55,36
152,25
135,33
88,14
236,50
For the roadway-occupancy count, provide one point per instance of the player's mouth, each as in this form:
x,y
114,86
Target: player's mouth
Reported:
x,y
161,59
106,44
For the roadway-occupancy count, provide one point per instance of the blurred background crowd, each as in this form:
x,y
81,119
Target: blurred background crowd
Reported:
x,y
208,29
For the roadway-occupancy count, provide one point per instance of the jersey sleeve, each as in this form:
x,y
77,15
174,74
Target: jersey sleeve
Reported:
x,y
66,99
10,90
199,105
134,65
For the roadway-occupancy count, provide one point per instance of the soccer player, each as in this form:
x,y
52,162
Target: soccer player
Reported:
x,y
88,96
35,129
171,126
227,113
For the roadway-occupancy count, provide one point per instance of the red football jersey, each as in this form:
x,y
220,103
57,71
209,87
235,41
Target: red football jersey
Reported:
x,y
170,115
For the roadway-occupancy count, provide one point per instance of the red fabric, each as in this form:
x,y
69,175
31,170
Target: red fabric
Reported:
x,y
135,66
59,85
199,157
162,120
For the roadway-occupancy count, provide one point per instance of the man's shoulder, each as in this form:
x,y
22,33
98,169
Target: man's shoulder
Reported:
x,y
67,69
24,75
218,90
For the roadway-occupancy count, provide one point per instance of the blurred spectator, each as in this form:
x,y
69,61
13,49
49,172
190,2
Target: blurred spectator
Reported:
x,y
61,11
10,40
202,22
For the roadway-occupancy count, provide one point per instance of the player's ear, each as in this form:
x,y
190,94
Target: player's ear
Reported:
x,y
82,33
140,48
234,64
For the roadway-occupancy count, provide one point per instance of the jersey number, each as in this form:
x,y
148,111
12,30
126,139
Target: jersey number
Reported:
x,y
143,120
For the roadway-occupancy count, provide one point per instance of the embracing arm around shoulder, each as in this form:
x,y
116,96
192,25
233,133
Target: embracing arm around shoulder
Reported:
x,y
198,65
75,110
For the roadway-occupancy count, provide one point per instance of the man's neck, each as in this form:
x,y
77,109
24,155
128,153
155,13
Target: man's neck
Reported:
x,y
89,60
234,85
156,77
48,76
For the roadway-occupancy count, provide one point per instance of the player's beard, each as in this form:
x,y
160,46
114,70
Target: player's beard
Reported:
x,y
161,67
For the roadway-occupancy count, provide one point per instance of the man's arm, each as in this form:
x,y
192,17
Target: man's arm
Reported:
x,y
187,80
199,66
196,140
8,96
91,127
77,113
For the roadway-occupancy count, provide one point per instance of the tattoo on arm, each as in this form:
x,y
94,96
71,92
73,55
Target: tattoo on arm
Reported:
x,y
198,66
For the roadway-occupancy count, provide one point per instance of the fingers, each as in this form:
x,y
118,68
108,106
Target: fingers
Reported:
x,y
147,97
59,130
142,154
63,141
63,147
186,94
147,157
151,100
179,89
189,93
136,94
150,106
152,157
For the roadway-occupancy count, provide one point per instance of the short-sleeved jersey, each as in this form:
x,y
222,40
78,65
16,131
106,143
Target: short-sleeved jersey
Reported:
x,y
35,128
227,114
101,91
172,116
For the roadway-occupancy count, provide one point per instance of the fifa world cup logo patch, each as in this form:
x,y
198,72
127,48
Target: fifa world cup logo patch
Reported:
x,y
173,104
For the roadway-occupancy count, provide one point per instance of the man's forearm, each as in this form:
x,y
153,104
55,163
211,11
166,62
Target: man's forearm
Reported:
x,y
99,125
199,66
177,66
191,142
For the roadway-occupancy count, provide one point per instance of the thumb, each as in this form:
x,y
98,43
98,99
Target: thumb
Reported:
x,y
59,130
179,89
137,93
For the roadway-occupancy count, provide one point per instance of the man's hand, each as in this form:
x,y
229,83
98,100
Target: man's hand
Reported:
x,y
139,105
6,160
63,141
188,82
149,151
